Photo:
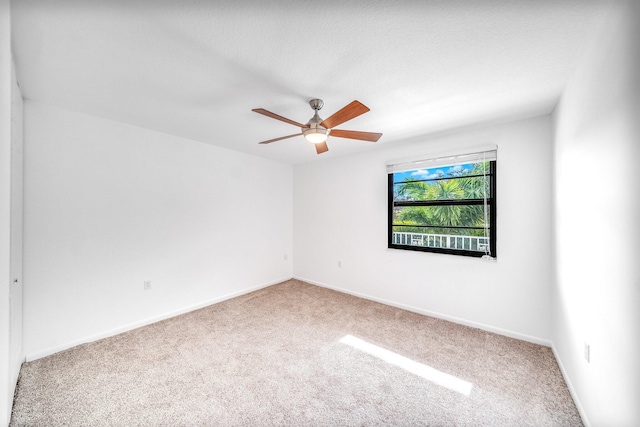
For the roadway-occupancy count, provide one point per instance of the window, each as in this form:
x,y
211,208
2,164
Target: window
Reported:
x,y
444,205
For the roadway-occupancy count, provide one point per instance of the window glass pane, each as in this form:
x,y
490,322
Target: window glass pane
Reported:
x,y
444,189
445,183
440,216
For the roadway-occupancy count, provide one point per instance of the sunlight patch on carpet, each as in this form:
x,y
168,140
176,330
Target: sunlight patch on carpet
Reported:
x,y
427,372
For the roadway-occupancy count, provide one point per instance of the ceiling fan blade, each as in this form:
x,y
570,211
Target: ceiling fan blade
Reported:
x,y
321,147
354,134
277,117
349,112
278,139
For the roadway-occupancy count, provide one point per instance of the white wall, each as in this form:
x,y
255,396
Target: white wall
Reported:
x,y
108,206
5,211
597,297
11,352
16,355
340,214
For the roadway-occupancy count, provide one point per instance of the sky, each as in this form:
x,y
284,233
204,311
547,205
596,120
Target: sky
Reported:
x,y
432,173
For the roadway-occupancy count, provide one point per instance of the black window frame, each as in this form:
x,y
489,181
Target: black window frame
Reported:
x,y
491,203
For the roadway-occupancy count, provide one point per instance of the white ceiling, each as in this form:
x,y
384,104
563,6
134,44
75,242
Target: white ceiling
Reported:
x,y
197,68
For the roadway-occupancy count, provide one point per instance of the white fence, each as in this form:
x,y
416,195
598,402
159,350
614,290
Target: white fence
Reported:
x,y
448,241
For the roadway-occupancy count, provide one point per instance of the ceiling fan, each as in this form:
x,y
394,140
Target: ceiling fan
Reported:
x,y
317,130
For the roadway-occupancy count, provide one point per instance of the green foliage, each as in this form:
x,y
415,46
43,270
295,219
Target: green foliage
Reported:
x,y
444,189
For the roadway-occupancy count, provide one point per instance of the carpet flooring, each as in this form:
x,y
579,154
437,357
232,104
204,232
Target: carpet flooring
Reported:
x,y
295,354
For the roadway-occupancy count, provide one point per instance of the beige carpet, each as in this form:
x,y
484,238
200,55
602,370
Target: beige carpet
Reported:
x,y
295,354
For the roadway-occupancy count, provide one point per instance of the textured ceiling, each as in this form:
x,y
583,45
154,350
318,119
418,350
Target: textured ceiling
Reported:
x,y
197,68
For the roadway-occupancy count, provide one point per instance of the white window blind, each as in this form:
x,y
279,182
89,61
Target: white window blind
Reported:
x,y
471,155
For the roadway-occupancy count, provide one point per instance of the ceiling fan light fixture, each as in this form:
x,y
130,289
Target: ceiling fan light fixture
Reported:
x,y
316,134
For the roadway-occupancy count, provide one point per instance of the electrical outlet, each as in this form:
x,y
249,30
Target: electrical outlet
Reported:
x,y
285,257
340,264
587,352
147,285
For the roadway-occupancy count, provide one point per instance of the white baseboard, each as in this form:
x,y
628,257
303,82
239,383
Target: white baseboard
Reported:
x,y
488,328
572,390
51,350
